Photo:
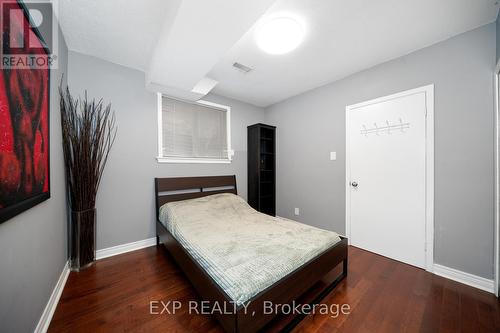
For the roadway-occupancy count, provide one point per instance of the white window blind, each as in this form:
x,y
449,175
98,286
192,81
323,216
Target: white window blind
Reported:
x,y
193,131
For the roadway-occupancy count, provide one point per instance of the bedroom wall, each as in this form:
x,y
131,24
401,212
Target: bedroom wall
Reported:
x,y
312,124
125,206
33,244
497,23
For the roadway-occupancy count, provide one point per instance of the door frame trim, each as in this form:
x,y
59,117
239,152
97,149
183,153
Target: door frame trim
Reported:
x,y
496,247
428,90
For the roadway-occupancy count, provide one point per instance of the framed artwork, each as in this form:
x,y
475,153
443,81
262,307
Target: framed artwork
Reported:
x,y
24,115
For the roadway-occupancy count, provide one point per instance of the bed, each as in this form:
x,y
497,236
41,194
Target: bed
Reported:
x,y
234,255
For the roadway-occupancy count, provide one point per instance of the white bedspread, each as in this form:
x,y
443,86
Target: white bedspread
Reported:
x,y
243,250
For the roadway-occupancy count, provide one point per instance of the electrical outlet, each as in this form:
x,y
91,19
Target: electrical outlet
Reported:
x,y
333,155
297,212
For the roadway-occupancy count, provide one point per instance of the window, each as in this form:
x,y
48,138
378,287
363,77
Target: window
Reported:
x,y
193,132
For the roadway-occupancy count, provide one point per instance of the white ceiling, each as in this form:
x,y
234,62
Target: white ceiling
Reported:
x,y
183,45
195,39
123,32
343,37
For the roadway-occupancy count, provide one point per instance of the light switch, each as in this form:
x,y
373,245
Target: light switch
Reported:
x,y
333,155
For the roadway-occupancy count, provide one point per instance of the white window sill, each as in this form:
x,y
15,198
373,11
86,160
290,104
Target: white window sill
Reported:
x,y
191,160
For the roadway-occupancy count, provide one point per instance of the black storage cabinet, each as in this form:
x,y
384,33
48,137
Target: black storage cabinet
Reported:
x,y
262,168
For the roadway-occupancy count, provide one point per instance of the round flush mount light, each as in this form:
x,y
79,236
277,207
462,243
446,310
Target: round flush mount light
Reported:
x,y
280,35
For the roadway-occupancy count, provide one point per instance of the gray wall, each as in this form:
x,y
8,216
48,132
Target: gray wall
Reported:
x,y
497,23
313,124
126,199
33,244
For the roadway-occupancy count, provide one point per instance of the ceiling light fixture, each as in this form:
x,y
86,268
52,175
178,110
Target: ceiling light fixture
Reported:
x,y
280,35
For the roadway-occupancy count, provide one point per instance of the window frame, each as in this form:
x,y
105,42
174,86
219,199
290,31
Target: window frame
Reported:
x,y
163,159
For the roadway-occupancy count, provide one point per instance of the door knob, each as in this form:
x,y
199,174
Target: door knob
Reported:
x,y
354,184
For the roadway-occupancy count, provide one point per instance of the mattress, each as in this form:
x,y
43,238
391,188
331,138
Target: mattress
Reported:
x,y
244,251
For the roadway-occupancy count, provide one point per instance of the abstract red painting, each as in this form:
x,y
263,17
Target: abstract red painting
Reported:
x,y
24,115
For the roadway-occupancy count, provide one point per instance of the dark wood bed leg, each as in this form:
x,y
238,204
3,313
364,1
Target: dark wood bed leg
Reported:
x,y
298,318
157,240
344,267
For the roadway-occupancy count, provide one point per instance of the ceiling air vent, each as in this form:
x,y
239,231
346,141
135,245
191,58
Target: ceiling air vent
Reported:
x,y
241,67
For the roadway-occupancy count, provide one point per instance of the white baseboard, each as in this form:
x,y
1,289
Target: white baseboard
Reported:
x,y
124,248
50,308
465,278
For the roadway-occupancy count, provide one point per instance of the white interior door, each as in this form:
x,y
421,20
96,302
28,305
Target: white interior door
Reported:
x,y
387,176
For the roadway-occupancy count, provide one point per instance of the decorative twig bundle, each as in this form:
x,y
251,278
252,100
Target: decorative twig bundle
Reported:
x,y
88,133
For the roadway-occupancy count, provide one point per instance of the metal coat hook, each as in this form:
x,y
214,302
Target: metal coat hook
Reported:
x,y
402,125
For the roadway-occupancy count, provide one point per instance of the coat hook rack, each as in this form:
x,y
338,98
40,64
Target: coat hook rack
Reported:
x,y
387,128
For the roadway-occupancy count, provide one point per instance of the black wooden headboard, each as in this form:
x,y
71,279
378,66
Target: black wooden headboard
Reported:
x,y
183,188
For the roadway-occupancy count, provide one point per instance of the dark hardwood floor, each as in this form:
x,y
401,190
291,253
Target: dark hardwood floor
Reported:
x,y
384,296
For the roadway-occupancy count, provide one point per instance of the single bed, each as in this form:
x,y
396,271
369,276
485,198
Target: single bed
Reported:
x,y
237,256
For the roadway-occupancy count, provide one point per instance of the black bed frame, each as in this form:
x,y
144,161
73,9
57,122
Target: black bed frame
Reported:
x,y
284,291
